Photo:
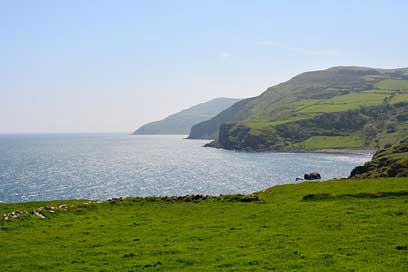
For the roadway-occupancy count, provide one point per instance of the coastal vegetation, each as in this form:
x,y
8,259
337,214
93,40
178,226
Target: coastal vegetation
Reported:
x,y
391,161
348,107
366,127
338,225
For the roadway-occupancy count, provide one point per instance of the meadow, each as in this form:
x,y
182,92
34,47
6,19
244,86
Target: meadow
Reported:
x,y
339,225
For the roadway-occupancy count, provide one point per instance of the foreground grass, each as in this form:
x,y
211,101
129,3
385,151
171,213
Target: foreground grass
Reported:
x,y
348,225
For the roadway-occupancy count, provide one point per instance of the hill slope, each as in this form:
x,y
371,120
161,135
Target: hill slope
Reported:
x,y
258,123
181,122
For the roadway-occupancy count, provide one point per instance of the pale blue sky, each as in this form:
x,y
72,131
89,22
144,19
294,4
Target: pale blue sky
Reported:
x,y
101,66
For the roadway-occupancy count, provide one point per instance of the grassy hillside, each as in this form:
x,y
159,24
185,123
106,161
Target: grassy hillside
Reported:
x,y
252,123
181,122
391,161
343,225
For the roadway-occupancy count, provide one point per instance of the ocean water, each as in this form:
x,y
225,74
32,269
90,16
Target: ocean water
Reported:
x,y
103,166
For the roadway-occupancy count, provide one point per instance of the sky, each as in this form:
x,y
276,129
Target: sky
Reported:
x,y
111,66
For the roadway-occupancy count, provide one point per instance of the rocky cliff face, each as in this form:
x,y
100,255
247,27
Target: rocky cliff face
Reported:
x,y
239,138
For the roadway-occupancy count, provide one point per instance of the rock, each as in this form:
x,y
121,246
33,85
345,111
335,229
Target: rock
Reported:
x,y
358,170
39,215
14,214
312,176
299,179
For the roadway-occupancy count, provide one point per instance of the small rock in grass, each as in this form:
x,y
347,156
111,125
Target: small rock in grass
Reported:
x,y
39,215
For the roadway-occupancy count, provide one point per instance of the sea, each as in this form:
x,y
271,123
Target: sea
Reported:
x,y
36,167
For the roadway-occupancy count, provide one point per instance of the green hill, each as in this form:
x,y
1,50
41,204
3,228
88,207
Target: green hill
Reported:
x,y
343,225
181,122
311,111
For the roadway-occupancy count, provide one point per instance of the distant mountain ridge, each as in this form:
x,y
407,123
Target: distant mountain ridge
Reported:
x,y
181,122
316,110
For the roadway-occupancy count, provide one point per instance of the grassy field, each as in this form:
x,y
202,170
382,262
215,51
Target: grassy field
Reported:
x,y
344,225
392,84
317,142
345,102
400,98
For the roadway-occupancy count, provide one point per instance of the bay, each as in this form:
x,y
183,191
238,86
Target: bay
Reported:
x,y
102,166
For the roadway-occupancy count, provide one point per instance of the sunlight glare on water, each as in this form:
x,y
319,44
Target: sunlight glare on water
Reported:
x,y
102,166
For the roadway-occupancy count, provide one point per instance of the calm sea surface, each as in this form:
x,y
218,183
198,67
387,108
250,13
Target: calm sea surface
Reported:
x,y
102,166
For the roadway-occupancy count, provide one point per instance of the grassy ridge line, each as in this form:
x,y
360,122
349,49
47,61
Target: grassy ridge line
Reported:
x,y
282,232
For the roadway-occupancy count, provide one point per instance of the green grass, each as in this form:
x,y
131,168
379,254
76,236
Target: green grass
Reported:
x,y
317,142
386,138
393,84
345,102
304,104
351,101
373,77
265,124
343,225
400,98
310,108
260,127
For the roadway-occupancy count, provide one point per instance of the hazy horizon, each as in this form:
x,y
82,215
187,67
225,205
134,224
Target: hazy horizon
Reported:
x,y
112,66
